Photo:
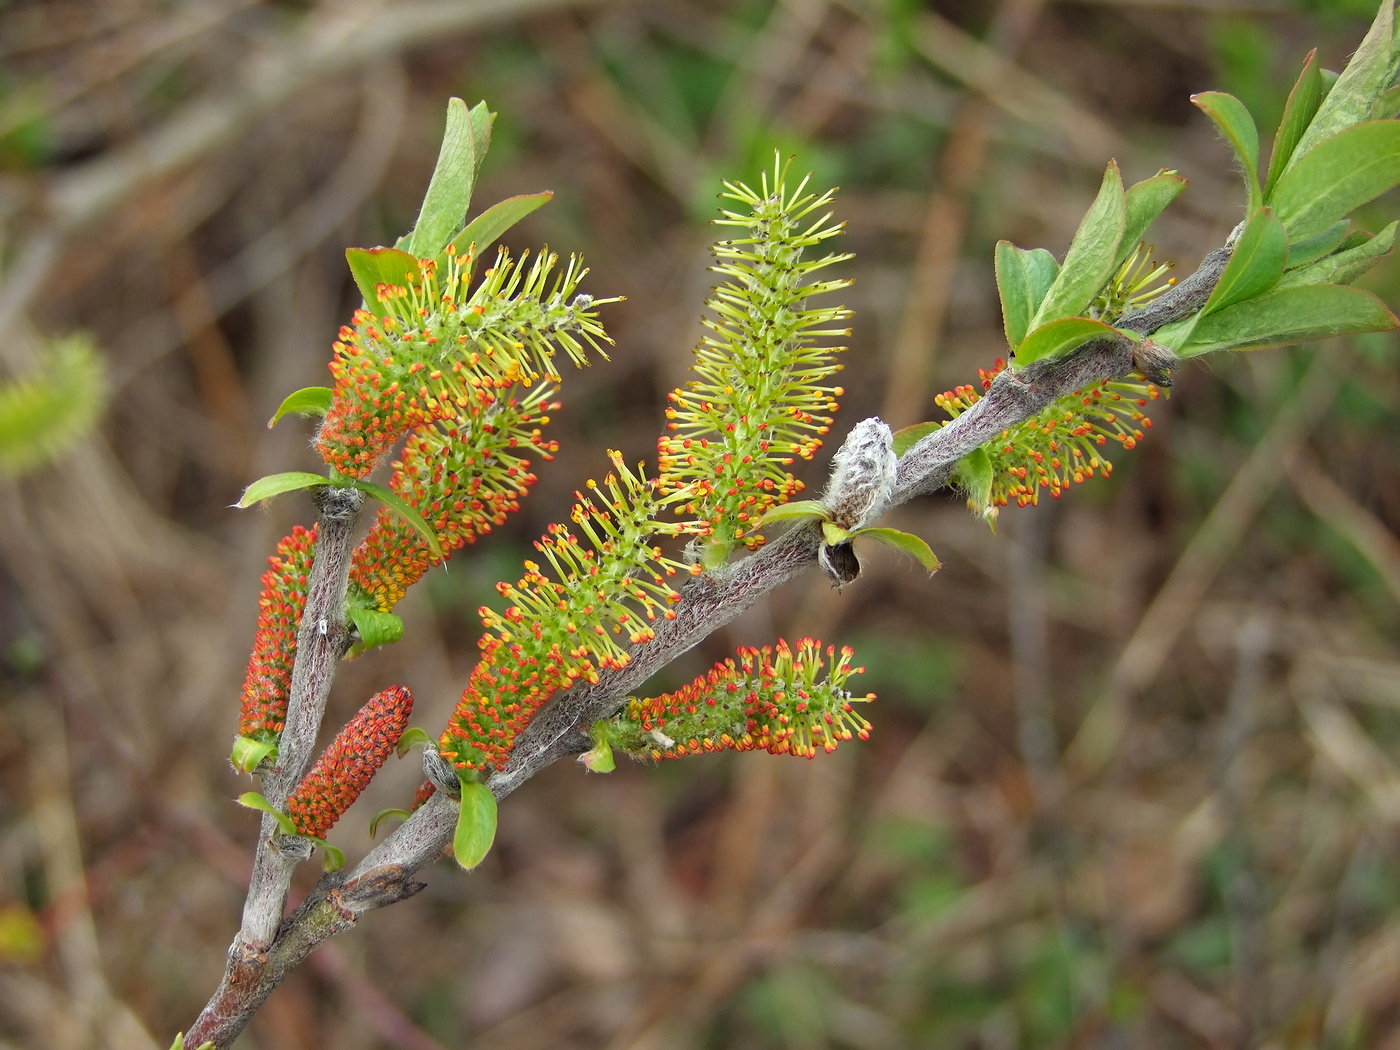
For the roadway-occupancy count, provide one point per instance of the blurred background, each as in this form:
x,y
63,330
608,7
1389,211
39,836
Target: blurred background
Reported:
x,y
1134,779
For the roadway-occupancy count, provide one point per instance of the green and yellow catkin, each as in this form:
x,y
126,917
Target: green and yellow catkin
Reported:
x,y
464,477
597,592
269,678
775,698
1063,443
762,397
441,342
349,762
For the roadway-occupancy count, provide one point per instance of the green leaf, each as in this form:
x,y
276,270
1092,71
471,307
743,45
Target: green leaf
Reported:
x,y
372,267
464,144
179,1043
1255,265
599,759
1386,106
1347,265
1089,263
1060,337
975,473
1235,123
248,753
401,507
276,484
1337,176
254,800
1289,315
906,542
834,534
1145,201
384,814
1023,278
1370,73
803,509
476,825
908,437
1300,253
1298,112
376,628
486,228
308,401
412,737
335,858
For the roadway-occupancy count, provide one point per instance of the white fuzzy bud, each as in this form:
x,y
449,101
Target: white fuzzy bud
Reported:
x,y
862,475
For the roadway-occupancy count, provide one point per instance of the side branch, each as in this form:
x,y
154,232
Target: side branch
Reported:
x,y
322,639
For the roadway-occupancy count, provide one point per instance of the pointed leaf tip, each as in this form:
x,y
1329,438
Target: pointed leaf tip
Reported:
x,y
308,401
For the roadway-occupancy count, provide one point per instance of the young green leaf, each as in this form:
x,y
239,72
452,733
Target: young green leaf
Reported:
x,y
384,814
402,508
1386,106
308,401
975,474
412,737
476,825
372,267
1289,315
1347,265
276,484
1256,262
1089,262
254,800
1298,112
799,510
1060,337
376,628
487,228
248,753
1235,123
335,857
1300,253
1145,201
599,759
834,534
908,437
906,542
464,144
1370,72
1023,278
1337,176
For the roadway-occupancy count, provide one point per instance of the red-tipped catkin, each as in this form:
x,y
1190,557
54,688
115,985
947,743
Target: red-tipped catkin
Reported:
x,y
1061,444
776,699
426,790
349,762
280,606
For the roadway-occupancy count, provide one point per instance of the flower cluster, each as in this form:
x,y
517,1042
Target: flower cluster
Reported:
x,y
439,343
349,762
760,399
1136,282
603,594
280,605
1062,443
770,698
463,477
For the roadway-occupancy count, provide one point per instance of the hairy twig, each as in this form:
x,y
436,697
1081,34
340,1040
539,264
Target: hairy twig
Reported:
x,y
707,604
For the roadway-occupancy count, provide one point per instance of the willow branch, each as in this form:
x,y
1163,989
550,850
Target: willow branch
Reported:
x,y
385,876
